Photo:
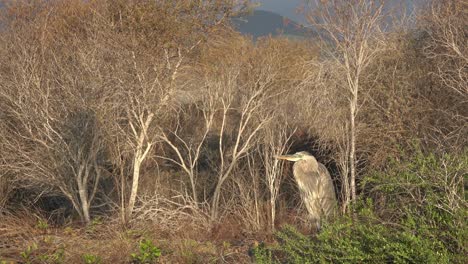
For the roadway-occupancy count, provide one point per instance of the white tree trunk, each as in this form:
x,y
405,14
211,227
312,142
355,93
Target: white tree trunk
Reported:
x,y
352,151
84,206
140,154
215,202
135,181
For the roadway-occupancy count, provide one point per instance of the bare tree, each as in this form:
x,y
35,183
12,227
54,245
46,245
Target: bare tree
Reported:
x,y
276,142
51,146
188,149
247,198
351,32
132,125
445,23
146,78
238,108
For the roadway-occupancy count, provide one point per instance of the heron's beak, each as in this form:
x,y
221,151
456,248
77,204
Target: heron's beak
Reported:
x,y
291,157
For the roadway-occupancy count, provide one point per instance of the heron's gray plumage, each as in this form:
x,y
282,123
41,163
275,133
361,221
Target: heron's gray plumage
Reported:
x,y
315,184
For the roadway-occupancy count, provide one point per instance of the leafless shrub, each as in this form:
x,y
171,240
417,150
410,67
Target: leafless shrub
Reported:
x,y
188,147
127,54
276,142
170,213
247,198
6,187
52,139
151,92
239,108
351,31
444,34
445,23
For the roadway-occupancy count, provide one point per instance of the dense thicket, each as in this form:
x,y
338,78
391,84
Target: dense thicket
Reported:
x,y
157,113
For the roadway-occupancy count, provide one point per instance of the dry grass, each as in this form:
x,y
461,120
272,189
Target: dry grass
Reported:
x,y
114,244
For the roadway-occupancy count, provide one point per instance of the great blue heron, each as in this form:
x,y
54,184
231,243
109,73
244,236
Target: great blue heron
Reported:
x,y
315,185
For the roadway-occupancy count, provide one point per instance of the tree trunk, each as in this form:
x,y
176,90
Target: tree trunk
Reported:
x,y
194,189
217,192
140,154
82,177
135,181
123,211
345,185
215,203
84,206
76,206
273,212
352,151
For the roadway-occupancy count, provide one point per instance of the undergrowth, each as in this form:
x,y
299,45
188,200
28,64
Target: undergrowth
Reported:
x,y
423,220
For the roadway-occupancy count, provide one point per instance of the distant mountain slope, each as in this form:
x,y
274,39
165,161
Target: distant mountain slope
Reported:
x,y
263,23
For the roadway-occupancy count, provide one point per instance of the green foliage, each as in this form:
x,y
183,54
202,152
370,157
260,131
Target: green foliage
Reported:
x,y
148,253
365,240
262,254
41,224
56,257
27,254
419,218
32,255
348,241
426,193
91,259
93,225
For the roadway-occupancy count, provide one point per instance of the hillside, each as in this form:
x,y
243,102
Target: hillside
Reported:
x,y
264,23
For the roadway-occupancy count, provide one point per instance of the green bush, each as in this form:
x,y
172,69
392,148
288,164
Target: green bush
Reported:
x,y
57,257
419,218
27,254
148,253
348,241
425,193
91,259
32,254
42,224
262,254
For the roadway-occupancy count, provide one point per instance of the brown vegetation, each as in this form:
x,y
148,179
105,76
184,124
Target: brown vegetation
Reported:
x,y
155,119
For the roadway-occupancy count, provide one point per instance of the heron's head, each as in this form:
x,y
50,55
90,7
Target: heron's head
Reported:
x,y
302,155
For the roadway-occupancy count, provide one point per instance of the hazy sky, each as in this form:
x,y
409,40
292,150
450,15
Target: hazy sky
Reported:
x,y
288,8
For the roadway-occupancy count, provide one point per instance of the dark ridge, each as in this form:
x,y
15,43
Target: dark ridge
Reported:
x,y
261,23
